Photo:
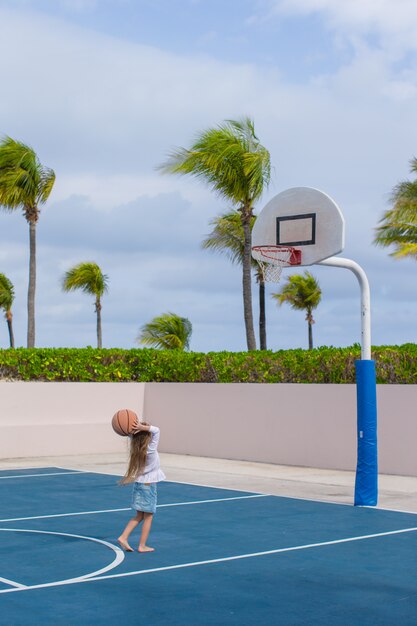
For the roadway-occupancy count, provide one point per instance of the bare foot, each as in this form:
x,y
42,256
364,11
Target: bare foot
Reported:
x,y
145,549
124,545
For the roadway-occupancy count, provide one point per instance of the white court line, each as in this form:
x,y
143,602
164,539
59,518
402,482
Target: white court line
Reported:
x,y
120,555
282,496
180,482
22,519
212,561
12,583
257,495
349,504
383,508
34,467
158,506
37,475
174,482
275,495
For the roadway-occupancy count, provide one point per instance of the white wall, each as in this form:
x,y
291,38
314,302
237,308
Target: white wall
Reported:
x,y
307,425
289,424
42,419
310,425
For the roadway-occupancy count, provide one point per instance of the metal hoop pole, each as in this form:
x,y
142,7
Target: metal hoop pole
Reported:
x,y
365,300
366,482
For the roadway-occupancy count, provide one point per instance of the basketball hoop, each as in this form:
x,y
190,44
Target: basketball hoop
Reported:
x,y
272,260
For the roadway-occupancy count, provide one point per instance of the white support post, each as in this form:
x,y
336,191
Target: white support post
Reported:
x,y
365,300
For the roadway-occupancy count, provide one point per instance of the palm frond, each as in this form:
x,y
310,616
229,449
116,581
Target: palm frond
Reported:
x,y
24,182
228,158
227,237
405,250
398,225
86,276
6,293
46,183
301,292
167,332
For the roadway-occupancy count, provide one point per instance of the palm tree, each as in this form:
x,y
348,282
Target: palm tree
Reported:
x,y
302,292
227,237
230,159
25,184
167,331
399,224
6,301
89,278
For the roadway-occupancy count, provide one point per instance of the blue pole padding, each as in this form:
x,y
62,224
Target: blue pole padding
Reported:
x,y
366,484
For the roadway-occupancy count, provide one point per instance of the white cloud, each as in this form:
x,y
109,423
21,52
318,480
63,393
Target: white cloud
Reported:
x,y
94,96
395,22
106,192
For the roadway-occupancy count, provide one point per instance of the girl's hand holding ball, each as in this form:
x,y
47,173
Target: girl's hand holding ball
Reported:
x,y
139,426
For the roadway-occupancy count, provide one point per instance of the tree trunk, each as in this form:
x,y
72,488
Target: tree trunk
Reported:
x,y
32,284
310,336
247,279
310,321
9,317
98,309
262,317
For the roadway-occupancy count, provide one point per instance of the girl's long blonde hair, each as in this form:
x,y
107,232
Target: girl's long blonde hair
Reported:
x,y
138,452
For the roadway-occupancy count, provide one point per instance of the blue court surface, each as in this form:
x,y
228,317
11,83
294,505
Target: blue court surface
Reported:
x,y
222,557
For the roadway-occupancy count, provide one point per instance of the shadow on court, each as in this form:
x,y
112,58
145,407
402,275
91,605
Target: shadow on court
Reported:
x,y
222,557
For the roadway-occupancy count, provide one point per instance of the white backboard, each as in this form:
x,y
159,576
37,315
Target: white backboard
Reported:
x,y
304,218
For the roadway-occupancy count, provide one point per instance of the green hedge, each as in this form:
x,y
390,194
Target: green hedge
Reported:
x,y
395,364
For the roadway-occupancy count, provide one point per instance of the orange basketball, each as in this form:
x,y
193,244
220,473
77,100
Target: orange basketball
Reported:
x,y
122,422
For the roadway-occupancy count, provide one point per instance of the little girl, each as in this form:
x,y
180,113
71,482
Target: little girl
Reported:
x,y
144,469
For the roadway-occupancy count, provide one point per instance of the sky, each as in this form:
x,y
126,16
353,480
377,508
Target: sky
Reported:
x,y
103,90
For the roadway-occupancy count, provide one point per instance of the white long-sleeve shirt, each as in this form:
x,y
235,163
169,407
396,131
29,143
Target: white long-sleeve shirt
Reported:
x,y
152,472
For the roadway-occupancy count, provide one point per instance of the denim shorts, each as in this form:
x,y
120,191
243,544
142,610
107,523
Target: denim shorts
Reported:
x,y
144,497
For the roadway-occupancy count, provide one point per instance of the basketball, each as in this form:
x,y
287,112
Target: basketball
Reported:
x,y
122,422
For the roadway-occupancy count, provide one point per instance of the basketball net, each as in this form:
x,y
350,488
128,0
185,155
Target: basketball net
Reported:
x,y
272,260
